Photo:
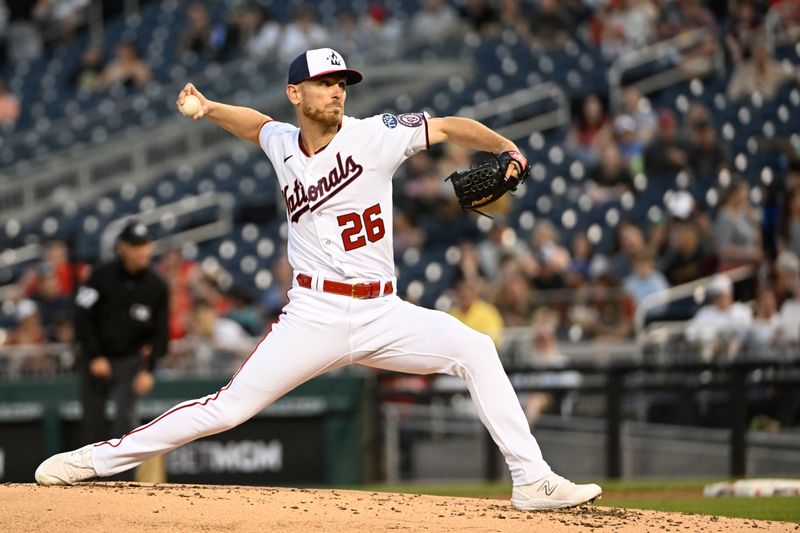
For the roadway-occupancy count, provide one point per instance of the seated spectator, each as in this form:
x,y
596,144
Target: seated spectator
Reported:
x,y
23,36
481,15
276,296
721,325
513,15
60,20
86,74
758,74
475,312
513,295
448,225
644,280
10,108
383,31
30,337
501,241
303,33
268,33
56,261
707,154
686,258
581,254
790,222
198,37
54,307
29,329
766,328
547,261
544,353
551,24
667,154
736,228
625,25
437,21
629,243
639,108
742,28
181,276
242,311
787,277
631,148
238,33
406,233
590,132
347,36
610,311
613,176
127,69
219,342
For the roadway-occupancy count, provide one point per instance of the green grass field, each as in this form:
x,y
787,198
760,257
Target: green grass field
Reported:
x,y
672,496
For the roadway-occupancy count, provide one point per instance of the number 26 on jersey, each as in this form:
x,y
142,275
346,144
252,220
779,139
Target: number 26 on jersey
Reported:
x,y
359,228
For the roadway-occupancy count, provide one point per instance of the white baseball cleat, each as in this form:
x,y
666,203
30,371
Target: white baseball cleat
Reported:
x,y
553,492
66,468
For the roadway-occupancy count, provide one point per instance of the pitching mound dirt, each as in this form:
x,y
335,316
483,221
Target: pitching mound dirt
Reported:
x,y
129,506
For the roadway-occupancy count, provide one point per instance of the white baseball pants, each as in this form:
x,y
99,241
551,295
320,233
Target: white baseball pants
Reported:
x,y
318,332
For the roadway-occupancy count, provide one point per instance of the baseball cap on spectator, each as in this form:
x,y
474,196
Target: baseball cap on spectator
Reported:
x,y
26,308
624,124
135,233
788,262
321,62
720,284
680,205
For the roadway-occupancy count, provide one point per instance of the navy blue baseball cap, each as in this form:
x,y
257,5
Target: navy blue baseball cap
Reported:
x,y
321,62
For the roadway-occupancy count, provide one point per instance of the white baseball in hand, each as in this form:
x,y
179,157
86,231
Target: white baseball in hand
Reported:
x,y
190,106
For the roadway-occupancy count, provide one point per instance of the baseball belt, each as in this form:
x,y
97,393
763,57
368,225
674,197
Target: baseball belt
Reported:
x,y
360,291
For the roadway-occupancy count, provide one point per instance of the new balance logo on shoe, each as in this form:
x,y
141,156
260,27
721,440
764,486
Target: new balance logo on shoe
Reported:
x,y
548,488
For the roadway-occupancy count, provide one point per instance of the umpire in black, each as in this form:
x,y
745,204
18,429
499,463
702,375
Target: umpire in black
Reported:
x,y
121,328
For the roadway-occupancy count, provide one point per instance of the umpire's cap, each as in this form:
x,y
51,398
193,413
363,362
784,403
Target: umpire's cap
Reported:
x,y
135,233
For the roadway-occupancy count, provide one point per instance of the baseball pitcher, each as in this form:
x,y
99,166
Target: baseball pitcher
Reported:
x,y
335,172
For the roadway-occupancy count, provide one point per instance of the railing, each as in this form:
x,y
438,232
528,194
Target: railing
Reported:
x,y
694,289
664,50
507,103
222,225
614,382
15,256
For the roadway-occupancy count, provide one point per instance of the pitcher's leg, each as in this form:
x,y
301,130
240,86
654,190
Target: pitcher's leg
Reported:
x,y
292,353
421,341
188,421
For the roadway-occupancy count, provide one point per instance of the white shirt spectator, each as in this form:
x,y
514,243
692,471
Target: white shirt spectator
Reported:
x,y
435,23
710,321
299,37
266,40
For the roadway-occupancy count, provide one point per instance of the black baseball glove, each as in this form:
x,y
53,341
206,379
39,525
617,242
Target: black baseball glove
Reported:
x,y
487,182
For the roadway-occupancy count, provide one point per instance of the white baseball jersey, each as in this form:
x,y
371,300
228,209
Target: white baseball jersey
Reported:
x,y
339,208
339,200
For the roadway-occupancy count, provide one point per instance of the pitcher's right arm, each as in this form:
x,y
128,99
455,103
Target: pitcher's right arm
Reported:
x,y
243,122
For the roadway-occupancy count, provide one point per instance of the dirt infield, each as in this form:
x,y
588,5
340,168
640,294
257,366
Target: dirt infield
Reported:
x,y
127,506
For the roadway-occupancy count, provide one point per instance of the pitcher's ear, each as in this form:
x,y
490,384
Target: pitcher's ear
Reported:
x,y
293,93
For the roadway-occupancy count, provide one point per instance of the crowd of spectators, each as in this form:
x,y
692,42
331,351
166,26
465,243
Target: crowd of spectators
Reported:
x,y
221,32
212,322
508,274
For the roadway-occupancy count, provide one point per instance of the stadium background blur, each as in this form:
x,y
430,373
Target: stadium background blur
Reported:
x,y
665,143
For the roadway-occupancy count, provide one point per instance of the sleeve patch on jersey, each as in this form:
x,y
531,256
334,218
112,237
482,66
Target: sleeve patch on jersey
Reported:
x,y
412,120
390,121
87,297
